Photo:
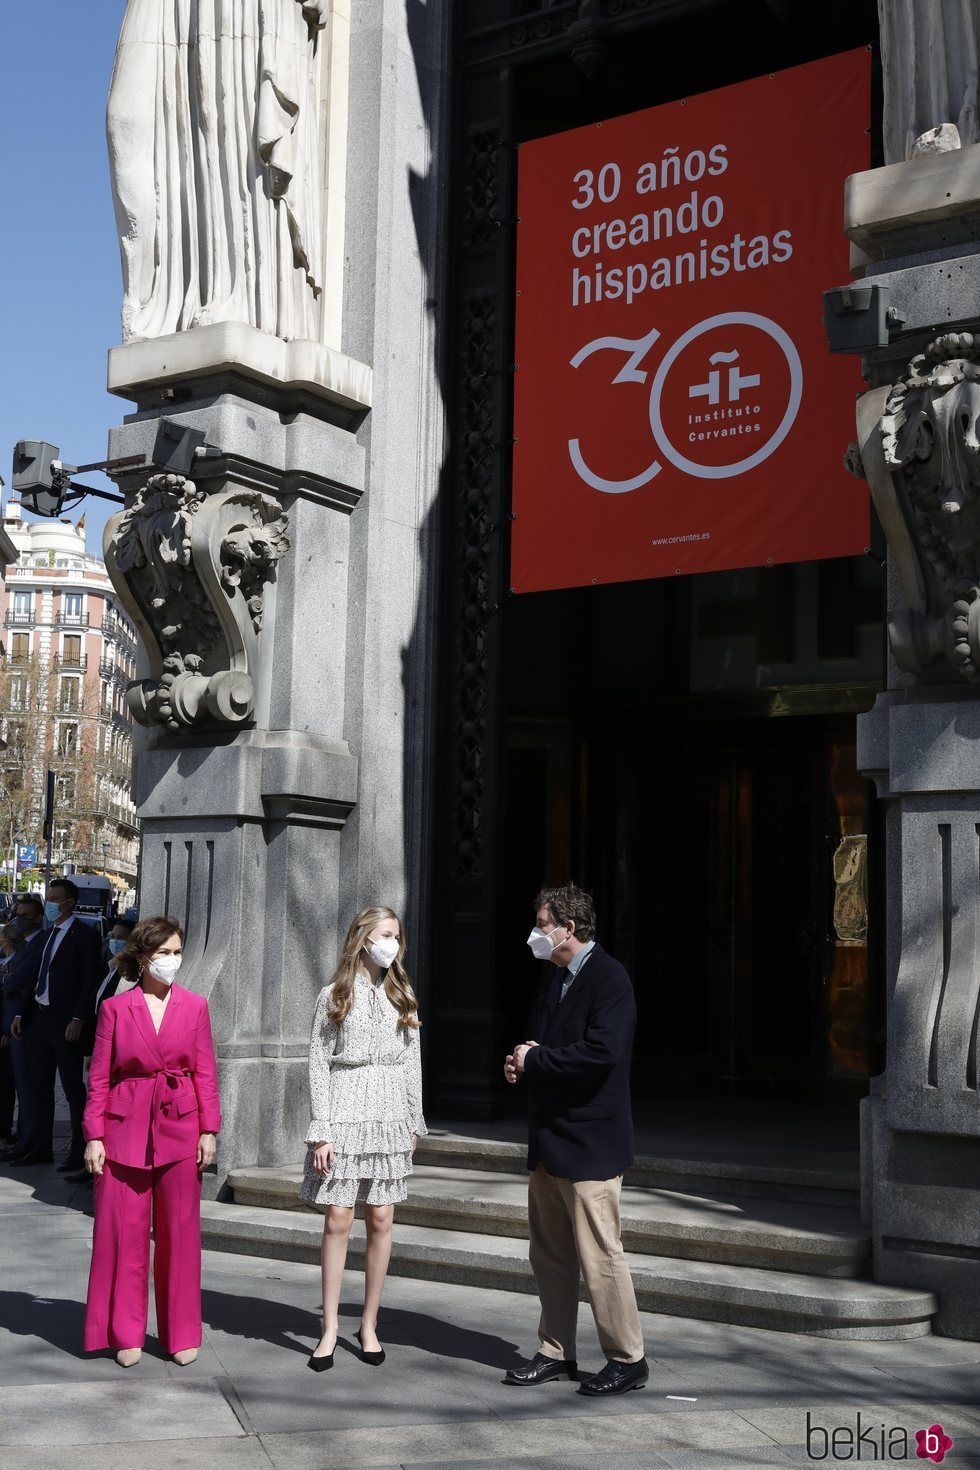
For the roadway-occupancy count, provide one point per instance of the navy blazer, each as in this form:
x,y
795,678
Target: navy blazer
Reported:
x,y
18,976
73,977
580,1118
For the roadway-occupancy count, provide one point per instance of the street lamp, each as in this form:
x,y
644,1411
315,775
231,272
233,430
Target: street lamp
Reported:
x,y
105,857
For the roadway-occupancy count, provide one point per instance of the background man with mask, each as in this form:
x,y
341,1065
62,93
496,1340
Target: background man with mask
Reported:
x,y
19,979
112,982
580,1140
53,1022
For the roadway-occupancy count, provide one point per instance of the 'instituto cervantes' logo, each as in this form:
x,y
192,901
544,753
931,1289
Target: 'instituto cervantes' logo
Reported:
x,y
866,1440
723,397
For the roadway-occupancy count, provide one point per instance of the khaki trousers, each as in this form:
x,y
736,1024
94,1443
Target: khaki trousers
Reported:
x,y
575,1226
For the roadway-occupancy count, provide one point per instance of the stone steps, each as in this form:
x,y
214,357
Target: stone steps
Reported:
x,y
774,1235
790,1176
816,1305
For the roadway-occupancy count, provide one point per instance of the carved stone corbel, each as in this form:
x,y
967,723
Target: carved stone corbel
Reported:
x,y
919,450
192,570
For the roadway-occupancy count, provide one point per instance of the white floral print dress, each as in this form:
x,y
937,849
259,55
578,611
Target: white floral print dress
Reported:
x,y
365,1099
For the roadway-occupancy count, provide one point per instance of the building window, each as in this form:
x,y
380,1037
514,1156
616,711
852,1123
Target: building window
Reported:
x,y
71,653
67,740
17,691
70,694
66,787
16,740
22,607
71,607
20,648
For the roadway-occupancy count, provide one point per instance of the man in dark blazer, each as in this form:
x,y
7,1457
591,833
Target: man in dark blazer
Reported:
x,y
580,1141
54,1019
17,983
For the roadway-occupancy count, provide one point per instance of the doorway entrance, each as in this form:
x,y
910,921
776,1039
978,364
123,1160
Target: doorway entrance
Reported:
x,y
728,860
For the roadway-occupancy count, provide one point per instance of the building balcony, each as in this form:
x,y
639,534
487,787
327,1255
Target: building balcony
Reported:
x,y
19,619
71,620
106,668
75,662
17,660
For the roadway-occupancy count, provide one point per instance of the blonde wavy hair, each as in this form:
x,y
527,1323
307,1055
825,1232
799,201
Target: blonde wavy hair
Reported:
x,y
396,982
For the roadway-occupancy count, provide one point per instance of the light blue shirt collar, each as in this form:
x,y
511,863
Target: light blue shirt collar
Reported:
x,y
577,961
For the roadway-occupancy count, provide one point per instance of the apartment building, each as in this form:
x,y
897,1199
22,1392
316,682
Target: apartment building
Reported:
x,y
69,652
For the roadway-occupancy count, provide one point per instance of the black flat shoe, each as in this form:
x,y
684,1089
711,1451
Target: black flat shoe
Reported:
x,y
321,1364
375,1359
617,1378
541,1370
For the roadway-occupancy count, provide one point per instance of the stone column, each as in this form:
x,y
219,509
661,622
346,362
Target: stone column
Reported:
x,y
237,575
916,225
282,775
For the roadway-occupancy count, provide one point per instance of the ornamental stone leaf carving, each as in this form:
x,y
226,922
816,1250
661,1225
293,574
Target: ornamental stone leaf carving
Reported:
x,y
920,452
193,571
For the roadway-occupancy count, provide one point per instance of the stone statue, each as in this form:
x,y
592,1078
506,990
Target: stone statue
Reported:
x,y
920,452
930,52
216,160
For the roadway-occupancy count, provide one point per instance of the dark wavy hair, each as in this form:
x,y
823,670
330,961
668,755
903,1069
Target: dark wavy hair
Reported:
x,y
569,902
144,942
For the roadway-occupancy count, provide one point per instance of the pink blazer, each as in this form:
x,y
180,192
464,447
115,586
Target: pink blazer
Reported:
x,y
151,1096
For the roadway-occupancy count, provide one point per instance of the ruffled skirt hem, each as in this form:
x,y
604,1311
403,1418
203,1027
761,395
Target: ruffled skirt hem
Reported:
x,y
364,1136
345,1192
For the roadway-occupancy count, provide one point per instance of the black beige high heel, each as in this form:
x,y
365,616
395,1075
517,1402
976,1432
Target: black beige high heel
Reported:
x,y
375,1359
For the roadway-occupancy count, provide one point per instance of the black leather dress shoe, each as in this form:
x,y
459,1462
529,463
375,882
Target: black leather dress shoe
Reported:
x,y
24,1161
72,1164
617,1378
541,1370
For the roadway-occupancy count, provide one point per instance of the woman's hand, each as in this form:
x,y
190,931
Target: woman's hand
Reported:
x,y
323,1158
95,1156
206,1147
415,1141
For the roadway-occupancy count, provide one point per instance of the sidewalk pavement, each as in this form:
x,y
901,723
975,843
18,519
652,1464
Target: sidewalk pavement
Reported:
x,y
719,1397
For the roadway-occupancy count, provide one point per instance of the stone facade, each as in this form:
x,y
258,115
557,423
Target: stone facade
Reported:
x,y
916,224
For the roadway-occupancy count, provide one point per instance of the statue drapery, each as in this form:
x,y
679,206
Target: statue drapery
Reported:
x,y
214,127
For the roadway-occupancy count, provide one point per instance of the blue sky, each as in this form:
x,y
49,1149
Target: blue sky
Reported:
x,y
60,283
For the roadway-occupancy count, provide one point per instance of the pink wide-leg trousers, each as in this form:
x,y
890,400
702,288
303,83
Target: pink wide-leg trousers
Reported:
x,y
118,1285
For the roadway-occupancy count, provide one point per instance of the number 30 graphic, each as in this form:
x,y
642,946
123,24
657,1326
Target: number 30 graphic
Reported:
x,y
635,350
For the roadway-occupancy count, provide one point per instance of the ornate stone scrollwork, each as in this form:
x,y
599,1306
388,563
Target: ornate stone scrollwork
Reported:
x,y
921,455
192,570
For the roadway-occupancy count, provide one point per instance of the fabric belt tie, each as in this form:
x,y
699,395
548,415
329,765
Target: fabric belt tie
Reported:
x,y
166,1084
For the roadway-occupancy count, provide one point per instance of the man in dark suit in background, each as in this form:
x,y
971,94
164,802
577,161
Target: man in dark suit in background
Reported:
x,y
17,984
53,1023
580,1141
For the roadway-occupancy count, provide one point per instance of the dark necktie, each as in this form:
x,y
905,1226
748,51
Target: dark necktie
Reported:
x,y
42,974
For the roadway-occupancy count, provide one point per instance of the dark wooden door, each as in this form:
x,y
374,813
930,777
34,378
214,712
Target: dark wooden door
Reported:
x,y
721,881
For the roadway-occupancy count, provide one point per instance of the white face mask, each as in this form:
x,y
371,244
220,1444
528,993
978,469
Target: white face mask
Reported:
x,y
540,943
384,952
165,968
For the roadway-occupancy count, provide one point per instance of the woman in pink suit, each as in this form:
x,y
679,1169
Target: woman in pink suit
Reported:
x,y
150,1121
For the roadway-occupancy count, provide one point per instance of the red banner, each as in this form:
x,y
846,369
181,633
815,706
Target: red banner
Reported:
x,y
677,408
